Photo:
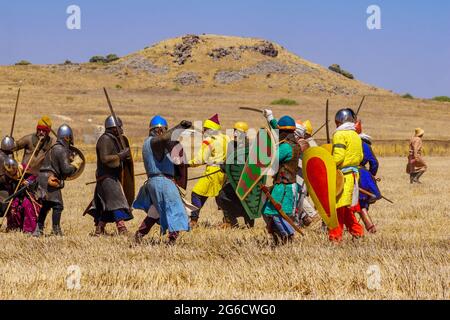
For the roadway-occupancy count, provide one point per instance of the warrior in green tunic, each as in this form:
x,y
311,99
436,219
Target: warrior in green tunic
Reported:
x,y
285,189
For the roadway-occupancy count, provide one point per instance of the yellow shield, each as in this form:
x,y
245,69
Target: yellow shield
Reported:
x,y
319,172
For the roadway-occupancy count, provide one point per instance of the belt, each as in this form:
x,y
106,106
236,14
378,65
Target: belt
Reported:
x,y
349,170
153,175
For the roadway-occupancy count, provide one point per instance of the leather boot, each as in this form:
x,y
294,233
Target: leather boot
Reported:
x,y
99,229
121,228
57,231
417,177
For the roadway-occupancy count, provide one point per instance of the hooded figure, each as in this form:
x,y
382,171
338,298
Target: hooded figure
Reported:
x,y
416,164
58,165
212,154
29,143
285,189
160,191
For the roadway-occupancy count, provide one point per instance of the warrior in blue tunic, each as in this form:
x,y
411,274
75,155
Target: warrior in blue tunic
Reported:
x,y
367,181
160,190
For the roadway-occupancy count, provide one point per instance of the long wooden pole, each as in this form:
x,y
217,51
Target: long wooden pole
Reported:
x,y
360,106
280,209
15,112
374,196
113,114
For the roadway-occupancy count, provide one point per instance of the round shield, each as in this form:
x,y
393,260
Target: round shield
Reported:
x,y
75,151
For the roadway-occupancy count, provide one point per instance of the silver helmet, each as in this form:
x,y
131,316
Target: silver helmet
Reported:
x,y
65,133
110,122
11,166
8,144
345,115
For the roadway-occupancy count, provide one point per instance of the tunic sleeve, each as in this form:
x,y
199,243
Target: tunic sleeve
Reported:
x,y
339,148
62,156
107,153
202,155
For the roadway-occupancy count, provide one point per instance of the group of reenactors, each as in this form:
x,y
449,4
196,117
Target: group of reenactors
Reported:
x,y
29,189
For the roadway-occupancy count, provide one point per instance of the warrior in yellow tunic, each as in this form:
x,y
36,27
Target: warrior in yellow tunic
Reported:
x,y
212,154
348,154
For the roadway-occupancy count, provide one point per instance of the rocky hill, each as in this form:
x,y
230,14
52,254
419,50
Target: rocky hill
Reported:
x,y
206,62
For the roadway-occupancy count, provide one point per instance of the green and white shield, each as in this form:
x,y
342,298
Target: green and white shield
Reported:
x,y
254,172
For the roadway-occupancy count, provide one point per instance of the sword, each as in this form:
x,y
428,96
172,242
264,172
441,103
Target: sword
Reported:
x,y
280,209
252,109
100,179
207,175
144,173
374,196
15,112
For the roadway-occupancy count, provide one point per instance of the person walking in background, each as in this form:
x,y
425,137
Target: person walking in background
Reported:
x,y
416,164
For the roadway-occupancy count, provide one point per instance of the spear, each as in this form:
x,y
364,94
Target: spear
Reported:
x,y
113,114
15,112
374,196
318,130
279,208
360,106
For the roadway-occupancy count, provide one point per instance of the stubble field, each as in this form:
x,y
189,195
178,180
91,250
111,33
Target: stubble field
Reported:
x,y
411,252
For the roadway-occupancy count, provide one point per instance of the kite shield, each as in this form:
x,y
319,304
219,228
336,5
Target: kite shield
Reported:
x,y
259,163
319,172
127,178
254,201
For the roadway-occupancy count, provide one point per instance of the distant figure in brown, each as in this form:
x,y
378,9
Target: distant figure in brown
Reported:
x,y
416,165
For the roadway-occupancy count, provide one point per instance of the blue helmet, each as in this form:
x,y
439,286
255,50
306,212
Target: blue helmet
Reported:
x,y
286,123
158,121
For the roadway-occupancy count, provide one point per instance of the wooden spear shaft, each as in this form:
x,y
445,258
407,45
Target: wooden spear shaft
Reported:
x,y
280,209
15,112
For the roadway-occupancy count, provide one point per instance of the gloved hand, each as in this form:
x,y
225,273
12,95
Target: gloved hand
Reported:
x,y
268,114
77,162
124,154
186,124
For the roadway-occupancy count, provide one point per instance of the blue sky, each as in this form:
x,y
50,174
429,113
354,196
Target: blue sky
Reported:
x,y
411,53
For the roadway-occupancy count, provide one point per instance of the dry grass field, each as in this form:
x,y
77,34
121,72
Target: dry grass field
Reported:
x,y
411,251
411,248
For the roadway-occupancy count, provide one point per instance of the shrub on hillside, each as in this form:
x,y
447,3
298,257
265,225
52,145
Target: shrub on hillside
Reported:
x,y
23,63
442,99
97,59
284,102
111,57
337,68
407,96
101,59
